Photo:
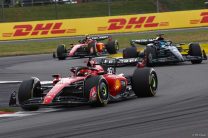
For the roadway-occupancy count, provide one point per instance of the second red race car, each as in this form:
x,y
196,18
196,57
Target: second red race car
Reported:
x,y
89,46
92,84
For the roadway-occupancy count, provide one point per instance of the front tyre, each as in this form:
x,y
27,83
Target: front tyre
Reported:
x,y
130,52
144,82
27,90
150,54
102,93
195,50
61,52
112,47
92,49
101,87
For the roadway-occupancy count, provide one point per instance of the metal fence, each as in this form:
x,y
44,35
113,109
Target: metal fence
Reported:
x,y
25,10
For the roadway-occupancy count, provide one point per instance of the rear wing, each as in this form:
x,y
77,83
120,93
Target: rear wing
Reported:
x,y
142,41
100,38
119,62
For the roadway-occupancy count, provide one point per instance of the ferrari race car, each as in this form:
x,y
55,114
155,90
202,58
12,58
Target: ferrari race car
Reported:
x,y
92,84
159,51
90,46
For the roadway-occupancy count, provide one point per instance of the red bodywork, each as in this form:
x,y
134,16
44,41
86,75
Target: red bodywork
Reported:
x,y
99,47
74,49
114,82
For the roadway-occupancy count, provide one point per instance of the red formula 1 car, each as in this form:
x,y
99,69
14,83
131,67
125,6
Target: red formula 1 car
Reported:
x,y
90,46
92,84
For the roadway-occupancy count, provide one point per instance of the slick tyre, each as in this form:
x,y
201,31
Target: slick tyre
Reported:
x,y
112,47
92,49
195,50
130,52
102,93
27,90
150,54
144,82
61,52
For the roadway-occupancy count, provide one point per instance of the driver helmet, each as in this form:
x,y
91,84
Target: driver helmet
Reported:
x,y
87,36
160,37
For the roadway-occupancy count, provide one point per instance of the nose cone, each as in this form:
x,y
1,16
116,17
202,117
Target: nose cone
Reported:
x,y
48,99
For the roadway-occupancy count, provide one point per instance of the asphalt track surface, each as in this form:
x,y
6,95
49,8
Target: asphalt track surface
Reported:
x,y
179,110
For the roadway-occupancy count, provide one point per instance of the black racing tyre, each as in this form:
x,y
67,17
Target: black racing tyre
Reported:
x,y
92,48
150,53
144,82
130,52
112,47
195,50
101,85
27,90
61,52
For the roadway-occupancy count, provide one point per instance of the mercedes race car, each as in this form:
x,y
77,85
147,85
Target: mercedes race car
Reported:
x,y
159,51
93,84
90,46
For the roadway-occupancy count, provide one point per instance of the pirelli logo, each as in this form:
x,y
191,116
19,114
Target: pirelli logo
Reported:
x,y
41,29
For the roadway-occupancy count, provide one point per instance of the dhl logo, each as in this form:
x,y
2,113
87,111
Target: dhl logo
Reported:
x,y
204,19
38,29
134,22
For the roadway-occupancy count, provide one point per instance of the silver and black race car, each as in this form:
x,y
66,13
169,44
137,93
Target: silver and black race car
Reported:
x,y
159,51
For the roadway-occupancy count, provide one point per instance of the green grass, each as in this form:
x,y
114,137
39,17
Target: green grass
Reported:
x,y
95,9
27,47
9,109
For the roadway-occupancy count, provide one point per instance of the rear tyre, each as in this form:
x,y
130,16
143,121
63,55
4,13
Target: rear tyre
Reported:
x,y
112,47
27,90
150,54
102,93
144,82
195,50
130,52
61,52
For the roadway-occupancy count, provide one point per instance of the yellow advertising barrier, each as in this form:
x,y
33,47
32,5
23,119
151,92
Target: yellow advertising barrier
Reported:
x,y
101,25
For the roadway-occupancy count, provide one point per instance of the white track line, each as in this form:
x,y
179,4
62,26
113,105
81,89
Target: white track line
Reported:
x,y
28,113
16,82
17,114
10,82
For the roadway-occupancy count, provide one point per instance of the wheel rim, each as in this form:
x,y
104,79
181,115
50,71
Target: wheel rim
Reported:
x,y
153,82
91,50
103,91
117,46
150,58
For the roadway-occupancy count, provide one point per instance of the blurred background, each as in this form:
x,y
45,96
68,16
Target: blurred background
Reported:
x,y
30,10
